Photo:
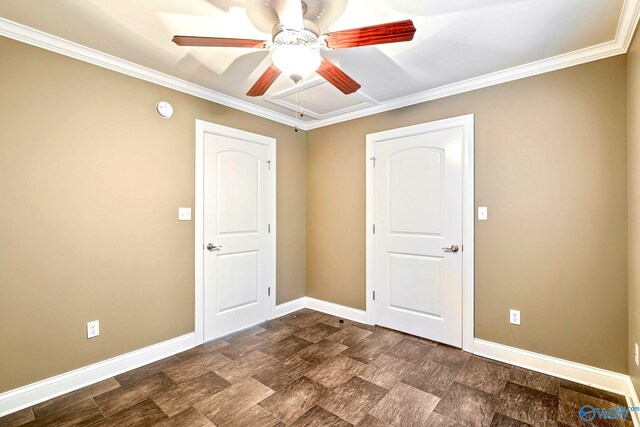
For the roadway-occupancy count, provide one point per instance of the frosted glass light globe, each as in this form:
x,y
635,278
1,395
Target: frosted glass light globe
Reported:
x,y
296,61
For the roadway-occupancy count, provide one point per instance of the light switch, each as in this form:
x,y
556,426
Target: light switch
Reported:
x,y
184,214
483,213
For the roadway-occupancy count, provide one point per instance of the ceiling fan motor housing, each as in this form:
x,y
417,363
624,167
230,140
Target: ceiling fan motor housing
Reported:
x,y
308,37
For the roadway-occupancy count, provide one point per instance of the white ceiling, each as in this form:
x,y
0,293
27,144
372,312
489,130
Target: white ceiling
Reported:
x,y
456,40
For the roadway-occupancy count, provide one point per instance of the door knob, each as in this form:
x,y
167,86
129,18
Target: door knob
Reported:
x,y
452,248
212,248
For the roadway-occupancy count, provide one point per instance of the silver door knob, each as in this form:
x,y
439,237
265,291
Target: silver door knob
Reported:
x,y
212,248
452,248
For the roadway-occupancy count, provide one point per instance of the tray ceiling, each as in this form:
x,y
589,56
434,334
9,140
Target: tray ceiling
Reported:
x,y
459,45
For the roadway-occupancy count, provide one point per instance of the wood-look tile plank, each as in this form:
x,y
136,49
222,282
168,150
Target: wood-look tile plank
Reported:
x,y
278,332
368,349
123,397
570,403
196,366
432,378
467,405
208,347
61,402
535,380
484,375
231,402
321,351
405,406
410,351
387,371
594,392
186,394
135,375
437,420
79,414
352,400
245,346
256,416
245,366
282,373
448,356
319,417
336,371
294,400
145,413
317,332
286,347
17,418
371,421
349,336
500,420
240,335
529,405
187,418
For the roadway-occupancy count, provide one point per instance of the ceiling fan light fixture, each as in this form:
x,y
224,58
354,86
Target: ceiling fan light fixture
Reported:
x,y
296,61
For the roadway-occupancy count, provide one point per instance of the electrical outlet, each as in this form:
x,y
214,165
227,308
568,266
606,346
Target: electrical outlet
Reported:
x,y
635,355
514,317
184,214
93,329
483,213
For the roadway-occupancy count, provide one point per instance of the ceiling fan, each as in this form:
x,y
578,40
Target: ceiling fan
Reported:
x,y
296,44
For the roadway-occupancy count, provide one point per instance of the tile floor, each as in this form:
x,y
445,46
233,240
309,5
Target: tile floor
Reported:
x,y
312,369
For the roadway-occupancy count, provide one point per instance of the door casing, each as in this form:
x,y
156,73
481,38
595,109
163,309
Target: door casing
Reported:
x,y
468,216
202,128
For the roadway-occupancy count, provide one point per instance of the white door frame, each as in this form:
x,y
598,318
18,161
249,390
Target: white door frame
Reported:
x,y
202,128
468,216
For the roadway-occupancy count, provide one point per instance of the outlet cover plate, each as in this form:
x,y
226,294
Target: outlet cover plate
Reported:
x,y
635,355
483,213
184,214
514,317
93,329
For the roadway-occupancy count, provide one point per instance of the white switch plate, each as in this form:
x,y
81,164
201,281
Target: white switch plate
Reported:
x,y
93,329
483,213
635,355
184,214
514,317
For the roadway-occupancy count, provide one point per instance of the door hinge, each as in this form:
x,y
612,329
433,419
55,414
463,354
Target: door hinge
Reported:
x,y
269,164
374,295
373,159
269,291
374,229
269,228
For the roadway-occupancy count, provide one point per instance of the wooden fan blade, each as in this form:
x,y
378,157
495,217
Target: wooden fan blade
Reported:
x,y
218,42
290,14
392,32
337,77
265,81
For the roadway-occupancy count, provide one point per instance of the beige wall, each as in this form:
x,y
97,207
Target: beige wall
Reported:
x,y
90,184
633,114
551,165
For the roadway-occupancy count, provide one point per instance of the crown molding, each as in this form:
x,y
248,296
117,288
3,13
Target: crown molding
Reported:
x,y
34,37
624,35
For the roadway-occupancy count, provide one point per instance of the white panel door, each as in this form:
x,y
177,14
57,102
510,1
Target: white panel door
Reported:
x,y
236,236
418,215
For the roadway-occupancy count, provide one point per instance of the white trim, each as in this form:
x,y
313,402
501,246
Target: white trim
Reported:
x,y
572,371
468,219
632,400
620,45
336,309
289,307
59,45
203,127
29,395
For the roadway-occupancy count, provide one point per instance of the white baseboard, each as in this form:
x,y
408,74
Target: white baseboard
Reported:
x,y
323,306
632,400
576,372
29,395
290,307
336,310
